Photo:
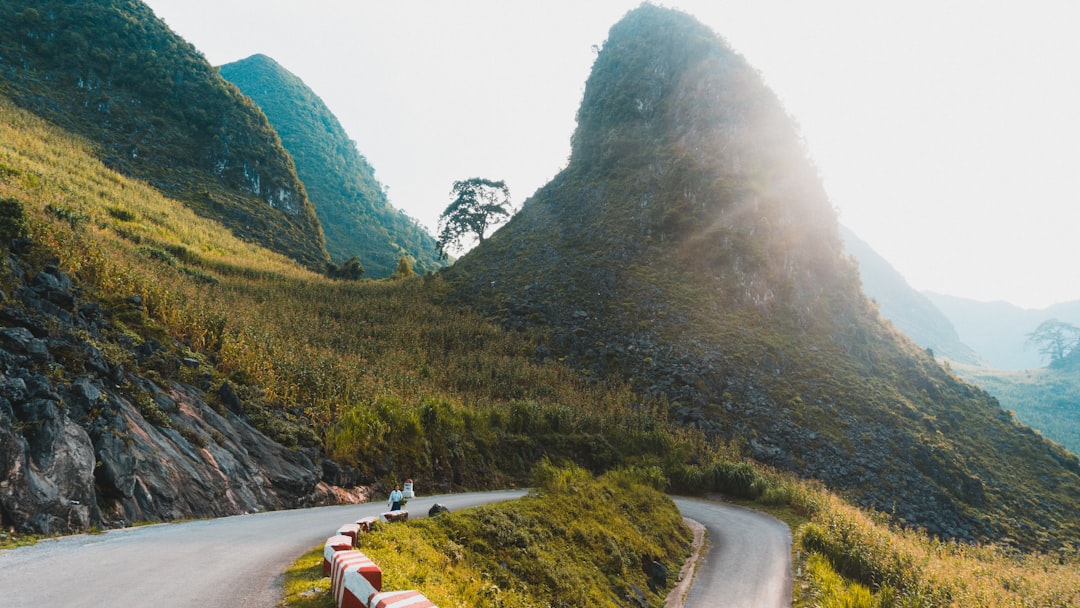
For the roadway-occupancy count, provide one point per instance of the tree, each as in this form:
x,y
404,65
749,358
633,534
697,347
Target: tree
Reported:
x,y
1056,339
404,269
350,270
479,205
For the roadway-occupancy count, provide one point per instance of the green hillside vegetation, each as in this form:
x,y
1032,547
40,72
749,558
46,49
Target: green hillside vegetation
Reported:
x,y
387,375
356,216
688,250
155,109
1047,399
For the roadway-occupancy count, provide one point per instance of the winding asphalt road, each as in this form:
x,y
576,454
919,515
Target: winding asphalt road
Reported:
x,y
748,564
236,561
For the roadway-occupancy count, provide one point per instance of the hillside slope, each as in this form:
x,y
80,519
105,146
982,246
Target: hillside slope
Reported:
x,y
1046,399
356,216
107,417
912,312
689,248
114,73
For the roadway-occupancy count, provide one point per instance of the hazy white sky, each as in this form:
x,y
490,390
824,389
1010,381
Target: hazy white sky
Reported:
x,y
947,133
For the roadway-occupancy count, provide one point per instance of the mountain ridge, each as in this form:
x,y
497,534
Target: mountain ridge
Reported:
x,y
912,312
689,249
113,72
357,218
998,330
685,266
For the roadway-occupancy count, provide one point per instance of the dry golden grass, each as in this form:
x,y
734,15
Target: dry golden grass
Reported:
x,y
908,568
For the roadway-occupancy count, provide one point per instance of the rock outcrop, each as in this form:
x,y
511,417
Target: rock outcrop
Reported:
x,y
87,442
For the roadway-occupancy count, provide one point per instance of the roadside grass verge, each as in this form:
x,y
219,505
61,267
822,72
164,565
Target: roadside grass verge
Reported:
x,y
13,540
303,584
576,540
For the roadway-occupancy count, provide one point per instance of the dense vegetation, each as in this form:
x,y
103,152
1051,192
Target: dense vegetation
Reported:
x,y
398,377
357,218
155,109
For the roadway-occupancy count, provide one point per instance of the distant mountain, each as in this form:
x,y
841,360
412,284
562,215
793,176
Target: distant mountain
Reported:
x,y
356,216
998,331
689,250
912,312
113,72
1045,399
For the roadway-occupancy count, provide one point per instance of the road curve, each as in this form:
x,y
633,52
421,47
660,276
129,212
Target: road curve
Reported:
x,y
748,562
236,561
232,561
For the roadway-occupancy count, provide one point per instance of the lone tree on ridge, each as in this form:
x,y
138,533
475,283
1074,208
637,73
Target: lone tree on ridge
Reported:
x,y
479,205
1055,339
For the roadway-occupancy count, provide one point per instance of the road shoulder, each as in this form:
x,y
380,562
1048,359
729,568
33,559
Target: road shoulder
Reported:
x,y
676,598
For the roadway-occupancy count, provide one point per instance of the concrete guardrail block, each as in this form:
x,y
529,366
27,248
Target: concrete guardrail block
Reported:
x,y
332,546
352,561
400,599
350,530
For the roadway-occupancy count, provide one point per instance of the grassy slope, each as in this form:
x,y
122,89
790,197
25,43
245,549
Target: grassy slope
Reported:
x,y
155,109
574,541
429,385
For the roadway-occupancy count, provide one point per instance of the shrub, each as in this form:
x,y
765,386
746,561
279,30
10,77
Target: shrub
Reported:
x,y
12,220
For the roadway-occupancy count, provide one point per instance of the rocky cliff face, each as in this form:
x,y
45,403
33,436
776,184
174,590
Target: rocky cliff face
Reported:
x,y
86,441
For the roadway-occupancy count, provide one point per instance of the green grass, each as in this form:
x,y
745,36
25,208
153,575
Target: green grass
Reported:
x,y
13,540
852,552
303,584
575,541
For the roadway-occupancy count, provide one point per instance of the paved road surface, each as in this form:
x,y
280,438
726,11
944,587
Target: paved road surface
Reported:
x,y
230,562
236,561
748,564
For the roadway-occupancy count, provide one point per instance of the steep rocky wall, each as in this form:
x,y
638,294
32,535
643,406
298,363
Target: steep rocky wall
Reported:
x,y
76,450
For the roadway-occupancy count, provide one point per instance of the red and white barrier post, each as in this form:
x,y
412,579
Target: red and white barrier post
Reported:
x,y
332,546
400,599
353,561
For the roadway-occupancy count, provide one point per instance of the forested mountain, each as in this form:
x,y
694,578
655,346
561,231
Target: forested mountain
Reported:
x,y
689,249
999,331
114,73
356,216
912,312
